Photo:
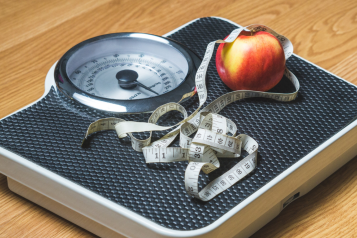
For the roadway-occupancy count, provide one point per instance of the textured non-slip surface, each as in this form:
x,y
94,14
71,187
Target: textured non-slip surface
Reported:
x,y
49,133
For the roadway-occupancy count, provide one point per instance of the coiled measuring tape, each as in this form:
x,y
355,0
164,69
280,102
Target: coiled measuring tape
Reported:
x,y
215,135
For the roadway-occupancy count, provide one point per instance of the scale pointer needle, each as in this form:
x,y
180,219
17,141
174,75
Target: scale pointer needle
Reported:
x,y
147,88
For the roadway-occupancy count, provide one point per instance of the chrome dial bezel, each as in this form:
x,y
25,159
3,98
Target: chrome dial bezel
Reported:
x,y
66,86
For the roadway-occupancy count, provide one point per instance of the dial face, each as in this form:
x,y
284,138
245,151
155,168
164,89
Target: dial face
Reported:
x,y
127,72
128,76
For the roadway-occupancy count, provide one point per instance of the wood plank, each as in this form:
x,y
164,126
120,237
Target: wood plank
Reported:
x,y
40,16
346,68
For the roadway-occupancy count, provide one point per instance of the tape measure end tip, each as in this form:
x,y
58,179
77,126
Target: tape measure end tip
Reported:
x,y
84,142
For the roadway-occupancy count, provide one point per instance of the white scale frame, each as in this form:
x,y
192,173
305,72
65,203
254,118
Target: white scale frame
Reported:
x,y
108,219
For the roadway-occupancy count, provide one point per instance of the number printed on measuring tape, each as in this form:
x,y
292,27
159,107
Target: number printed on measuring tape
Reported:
x,y
215,136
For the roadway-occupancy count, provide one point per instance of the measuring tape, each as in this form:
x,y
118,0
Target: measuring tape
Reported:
x,y
215,135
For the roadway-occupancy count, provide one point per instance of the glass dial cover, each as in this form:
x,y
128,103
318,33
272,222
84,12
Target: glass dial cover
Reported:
x,y
127,72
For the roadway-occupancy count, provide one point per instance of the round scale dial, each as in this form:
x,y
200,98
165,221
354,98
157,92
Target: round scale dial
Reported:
x,y
127,72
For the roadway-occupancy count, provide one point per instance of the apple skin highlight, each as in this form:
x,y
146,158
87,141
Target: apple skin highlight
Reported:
x,y
254,61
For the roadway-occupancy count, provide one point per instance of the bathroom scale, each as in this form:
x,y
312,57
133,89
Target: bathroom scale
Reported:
x,y
107,188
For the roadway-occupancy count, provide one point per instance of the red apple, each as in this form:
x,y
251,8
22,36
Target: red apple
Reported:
x,y
254,61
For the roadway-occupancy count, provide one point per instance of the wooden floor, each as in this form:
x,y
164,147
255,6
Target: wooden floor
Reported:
x,y
34,34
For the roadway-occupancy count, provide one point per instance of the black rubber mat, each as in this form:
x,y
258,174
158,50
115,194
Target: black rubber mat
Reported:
x,y
50,132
